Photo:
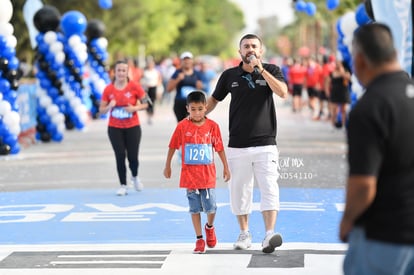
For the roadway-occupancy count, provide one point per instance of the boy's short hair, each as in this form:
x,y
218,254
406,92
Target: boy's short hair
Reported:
x,y
196,97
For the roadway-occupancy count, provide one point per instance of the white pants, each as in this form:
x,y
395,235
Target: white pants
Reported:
x,y
248,165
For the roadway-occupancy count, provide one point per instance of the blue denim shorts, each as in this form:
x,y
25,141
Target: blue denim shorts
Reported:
x,y
202,200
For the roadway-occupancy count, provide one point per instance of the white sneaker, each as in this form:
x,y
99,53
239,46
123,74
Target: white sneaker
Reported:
x,y
243,242
137,184
270,242
122,191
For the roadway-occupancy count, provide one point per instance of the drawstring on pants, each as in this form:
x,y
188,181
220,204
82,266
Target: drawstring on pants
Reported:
x,y
207,195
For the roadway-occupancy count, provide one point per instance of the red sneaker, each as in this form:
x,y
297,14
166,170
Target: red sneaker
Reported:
x,y
210,236
200,247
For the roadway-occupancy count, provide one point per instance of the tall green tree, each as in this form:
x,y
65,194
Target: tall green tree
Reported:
x,y
210,26
161,26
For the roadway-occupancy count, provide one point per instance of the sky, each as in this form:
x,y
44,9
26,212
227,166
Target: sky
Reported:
x,y
255,9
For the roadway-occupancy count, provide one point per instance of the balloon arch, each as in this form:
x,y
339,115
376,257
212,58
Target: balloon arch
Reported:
x,y
70,73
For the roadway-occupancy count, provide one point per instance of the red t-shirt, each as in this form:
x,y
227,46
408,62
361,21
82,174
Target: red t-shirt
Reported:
x,y
198,170
313,73
118,117
297,74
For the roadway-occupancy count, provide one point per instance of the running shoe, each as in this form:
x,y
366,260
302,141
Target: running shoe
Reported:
x,y
122,191
243,242
210,236
270,242
137,183
200,247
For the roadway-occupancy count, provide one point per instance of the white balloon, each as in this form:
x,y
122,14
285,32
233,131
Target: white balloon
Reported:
x,y
50,37
75,101
6,29
348,42
6,11
101,85
58,118
11,118
40,91
11,41
61,128
52,109
60,57
5,107
79,109
56,47
81,47
82,56
356,86
45,101
1,96
74,40
102,42
15,129
84,117
348,24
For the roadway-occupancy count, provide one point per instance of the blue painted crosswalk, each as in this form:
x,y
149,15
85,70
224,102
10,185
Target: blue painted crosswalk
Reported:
x,y
93,216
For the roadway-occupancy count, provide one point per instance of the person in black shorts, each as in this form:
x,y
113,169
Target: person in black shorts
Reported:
x,y
378,221
339,94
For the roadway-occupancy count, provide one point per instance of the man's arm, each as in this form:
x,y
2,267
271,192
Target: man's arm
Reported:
x,y
211,104
360,194
277,86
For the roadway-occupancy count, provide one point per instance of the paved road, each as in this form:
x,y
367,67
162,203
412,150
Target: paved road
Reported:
x,y
59,213
312,155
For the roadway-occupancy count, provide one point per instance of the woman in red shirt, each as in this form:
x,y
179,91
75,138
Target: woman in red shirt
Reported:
x,y
123,99
297,75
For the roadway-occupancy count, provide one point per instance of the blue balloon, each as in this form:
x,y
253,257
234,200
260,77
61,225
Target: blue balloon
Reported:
x,y
361,15
44,118
10,140
51,128
310,8
15,149
105,4
53,92
73,22
4,129
338,28
332,4
39,38
4,85
45,83
8,52
3,42
43,47
14,63
58,137
346,55
300,6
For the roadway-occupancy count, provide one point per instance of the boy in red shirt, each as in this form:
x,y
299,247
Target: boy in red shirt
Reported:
x,y
197,136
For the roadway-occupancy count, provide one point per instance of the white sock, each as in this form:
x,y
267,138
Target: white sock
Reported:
x,y
269,232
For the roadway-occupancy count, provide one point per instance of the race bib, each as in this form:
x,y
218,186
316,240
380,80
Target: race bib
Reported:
x,y
186,90
198,154
120,113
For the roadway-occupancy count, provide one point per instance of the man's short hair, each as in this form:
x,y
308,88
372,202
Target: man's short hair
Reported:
x,y
375,42
250,36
